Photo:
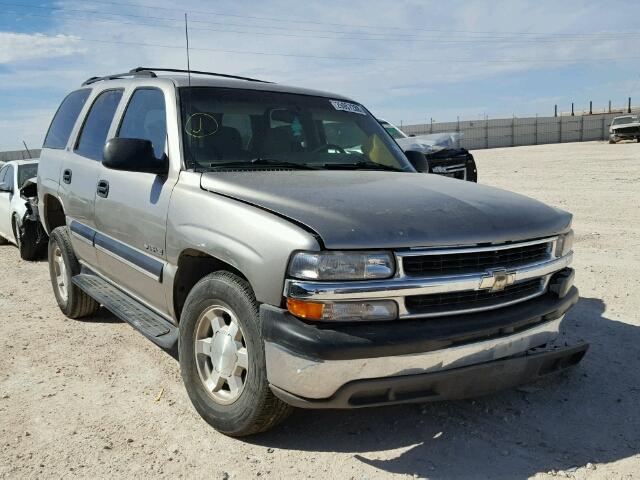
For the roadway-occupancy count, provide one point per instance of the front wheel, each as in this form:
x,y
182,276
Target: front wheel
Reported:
x,y
222,357
26,235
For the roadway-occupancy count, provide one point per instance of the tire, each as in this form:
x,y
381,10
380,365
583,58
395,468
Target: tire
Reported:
x,y
227,300
63,264
26,236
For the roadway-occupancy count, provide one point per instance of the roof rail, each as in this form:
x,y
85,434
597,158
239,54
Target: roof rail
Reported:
x,y
132,73
197,72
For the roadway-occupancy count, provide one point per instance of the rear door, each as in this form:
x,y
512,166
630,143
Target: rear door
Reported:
x,y
6,176
80,170
131,211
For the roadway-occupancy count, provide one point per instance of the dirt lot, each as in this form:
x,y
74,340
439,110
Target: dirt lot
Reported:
x,y
93,398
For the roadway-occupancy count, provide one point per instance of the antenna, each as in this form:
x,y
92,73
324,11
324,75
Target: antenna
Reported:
x,y
27,148
186,34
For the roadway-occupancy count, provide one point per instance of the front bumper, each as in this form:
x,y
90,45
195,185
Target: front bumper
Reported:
x,y
316,364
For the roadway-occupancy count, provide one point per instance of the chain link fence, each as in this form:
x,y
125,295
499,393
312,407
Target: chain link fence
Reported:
x,y
513,132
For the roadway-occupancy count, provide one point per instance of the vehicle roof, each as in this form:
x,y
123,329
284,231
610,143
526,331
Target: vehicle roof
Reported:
x,y
180,80
21,162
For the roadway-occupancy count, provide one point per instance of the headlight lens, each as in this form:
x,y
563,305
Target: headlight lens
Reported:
x,y
564,244
341,265
357,311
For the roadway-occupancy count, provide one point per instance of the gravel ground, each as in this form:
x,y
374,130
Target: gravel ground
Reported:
x,y
93,398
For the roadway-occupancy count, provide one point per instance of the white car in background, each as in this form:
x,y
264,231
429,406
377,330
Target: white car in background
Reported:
x,y
17,222
626,127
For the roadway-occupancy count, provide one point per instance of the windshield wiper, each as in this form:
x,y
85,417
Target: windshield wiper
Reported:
x,y
262,161
361,166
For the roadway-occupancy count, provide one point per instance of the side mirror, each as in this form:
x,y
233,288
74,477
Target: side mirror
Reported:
x,y
133,155
418,161
5,187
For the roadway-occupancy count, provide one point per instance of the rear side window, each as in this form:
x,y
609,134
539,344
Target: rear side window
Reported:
x,y
145,118
65,118
96,126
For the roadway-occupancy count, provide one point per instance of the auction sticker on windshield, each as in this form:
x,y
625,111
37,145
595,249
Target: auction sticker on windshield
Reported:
x,y
348,107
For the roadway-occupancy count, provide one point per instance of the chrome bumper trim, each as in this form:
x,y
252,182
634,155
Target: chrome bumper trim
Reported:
x,y
320,379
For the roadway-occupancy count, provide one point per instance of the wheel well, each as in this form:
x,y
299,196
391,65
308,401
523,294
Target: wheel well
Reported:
x,y
53,213
193,265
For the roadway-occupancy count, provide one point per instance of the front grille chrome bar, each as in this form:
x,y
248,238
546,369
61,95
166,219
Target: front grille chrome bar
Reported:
x,y
405,286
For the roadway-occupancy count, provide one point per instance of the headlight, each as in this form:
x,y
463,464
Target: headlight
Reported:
x,y
356,311
564,244
341,265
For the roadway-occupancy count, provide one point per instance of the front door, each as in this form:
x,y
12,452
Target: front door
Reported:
x,y
6,177
131,207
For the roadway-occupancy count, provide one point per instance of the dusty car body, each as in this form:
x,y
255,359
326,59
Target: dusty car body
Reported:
x,y
625,127
442,150
283,243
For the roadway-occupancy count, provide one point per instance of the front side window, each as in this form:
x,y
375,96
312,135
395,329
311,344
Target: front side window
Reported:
x,y
65,118
96,126
3,172
25,172
244,128
145,118
8,176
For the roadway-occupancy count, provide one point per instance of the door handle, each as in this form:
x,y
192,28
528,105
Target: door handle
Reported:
x,y
103,189
66,176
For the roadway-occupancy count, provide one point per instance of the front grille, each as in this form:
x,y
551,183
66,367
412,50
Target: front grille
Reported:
x,y
474,262
472,299
627,130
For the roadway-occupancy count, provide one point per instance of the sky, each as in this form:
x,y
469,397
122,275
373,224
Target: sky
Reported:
x,y
408,61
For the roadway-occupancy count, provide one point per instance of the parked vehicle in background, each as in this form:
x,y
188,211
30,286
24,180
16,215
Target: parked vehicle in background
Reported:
x,y
18,224
442,151
286,245
625,127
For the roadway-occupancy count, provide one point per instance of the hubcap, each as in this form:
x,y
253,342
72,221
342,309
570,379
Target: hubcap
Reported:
x,y
60,272
221,354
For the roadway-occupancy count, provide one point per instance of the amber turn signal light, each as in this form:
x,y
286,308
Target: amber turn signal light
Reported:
x,y
303,309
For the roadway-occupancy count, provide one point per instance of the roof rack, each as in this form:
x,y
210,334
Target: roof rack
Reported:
x,y
197,72
132,73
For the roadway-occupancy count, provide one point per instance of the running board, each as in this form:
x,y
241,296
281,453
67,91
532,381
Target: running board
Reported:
x,y
142,318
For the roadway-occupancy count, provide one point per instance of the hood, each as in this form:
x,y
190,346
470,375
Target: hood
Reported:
x,y
381,209
429,143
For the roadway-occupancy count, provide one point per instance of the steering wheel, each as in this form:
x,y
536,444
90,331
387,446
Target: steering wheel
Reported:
x,y
329,146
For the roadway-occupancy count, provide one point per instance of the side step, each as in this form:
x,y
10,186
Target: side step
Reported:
x,y
146,321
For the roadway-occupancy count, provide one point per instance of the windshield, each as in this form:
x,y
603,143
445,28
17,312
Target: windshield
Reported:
x,y
25,172
395,132
245,128
623,120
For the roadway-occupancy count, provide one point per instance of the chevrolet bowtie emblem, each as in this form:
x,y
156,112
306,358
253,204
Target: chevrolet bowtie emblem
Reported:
x,y
497,280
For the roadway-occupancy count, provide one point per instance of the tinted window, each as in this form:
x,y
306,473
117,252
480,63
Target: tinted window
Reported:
x,y
3,171
96,126
65,118
25,172
145,118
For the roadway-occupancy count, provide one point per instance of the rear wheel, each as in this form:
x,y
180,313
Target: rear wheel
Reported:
x,y
63,265
222,357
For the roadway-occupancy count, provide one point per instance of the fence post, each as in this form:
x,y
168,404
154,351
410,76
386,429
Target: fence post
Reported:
x,y
629,107
486,131
582,128
560,139
555,111
604,126
590,107
513,131
535,131
572,114
609,106
431,126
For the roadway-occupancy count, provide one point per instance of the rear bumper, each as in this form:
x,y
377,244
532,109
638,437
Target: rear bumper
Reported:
x,y
457,383
315,363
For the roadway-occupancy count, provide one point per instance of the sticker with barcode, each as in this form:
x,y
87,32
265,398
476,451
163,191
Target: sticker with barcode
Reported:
x,y
348,107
